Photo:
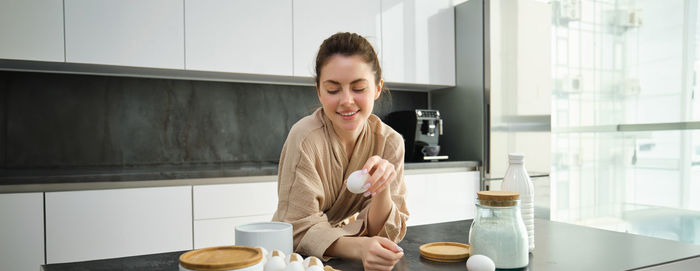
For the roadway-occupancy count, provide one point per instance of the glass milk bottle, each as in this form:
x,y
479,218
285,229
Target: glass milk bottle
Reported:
x,y
517,180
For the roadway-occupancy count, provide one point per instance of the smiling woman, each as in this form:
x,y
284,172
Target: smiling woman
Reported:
x,y
323,149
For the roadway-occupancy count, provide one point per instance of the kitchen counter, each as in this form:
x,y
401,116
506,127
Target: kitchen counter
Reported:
x,y
558,246
48,180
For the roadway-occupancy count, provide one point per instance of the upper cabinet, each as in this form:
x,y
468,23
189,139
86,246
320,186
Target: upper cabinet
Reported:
x,y
31,30
316,20
239,36
419,42
141,33
272,41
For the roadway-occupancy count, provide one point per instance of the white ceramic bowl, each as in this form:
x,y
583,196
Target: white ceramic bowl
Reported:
x,y
270,235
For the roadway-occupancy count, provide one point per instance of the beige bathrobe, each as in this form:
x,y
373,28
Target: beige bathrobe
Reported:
x,y
311,185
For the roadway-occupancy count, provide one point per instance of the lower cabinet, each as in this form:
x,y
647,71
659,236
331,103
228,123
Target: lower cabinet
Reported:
x,y
221,232
441,197
21,231
97,224
219,208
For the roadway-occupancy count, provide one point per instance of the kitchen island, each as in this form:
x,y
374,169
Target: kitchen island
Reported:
x,y
558,246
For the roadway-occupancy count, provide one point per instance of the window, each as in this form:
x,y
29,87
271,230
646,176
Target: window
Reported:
x,y
626,116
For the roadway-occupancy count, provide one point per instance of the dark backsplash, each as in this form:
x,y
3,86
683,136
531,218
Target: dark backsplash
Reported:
x,y
83,121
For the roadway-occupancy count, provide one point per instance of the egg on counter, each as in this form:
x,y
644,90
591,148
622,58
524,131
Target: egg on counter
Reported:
x,y
295,263
278,253
315,268
480,263
294,257
311,261
276,261
266,255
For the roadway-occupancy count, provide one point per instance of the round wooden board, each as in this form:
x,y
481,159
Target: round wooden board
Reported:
x,y
221,258
445,251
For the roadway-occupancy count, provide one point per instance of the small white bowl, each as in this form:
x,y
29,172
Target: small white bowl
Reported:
x,y
270,235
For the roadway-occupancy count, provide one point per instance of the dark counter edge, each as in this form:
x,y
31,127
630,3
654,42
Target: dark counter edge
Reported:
x,y
68,179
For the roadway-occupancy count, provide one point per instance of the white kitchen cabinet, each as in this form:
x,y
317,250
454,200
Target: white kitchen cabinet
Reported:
x,y
418,39
441,197
21,231
239,36
219,208
31,30
142,33
96,224
234,200
221,232
316,20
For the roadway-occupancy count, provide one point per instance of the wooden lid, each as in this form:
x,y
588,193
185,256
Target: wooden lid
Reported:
x,y
498,198
220,258
445,251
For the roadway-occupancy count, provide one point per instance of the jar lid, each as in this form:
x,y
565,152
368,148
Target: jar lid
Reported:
x,y
444,251
221,258
498,198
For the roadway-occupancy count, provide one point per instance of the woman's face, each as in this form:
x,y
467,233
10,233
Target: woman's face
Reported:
x,y
347,92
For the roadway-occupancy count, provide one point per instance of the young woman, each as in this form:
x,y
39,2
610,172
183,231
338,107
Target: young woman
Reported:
x,y
321,151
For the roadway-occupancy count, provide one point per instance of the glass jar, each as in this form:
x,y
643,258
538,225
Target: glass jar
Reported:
x,y
498,231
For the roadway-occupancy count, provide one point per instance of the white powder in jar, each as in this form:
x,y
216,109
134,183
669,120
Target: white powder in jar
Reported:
x,y
501,241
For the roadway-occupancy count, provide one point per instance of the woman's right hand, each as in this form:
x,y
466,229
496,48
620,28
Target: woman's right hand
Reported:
x,y
379,253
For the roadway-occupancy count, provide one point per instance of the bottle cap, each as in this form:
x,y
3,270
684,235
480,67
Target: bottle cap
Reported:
x,y
515,157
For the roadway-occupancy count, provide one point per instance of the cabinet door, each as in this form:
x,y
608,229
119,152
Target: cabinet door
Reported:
x,y
219,208
441,197
143,33
239,36
234,200
87,225
418,39
21,231
31,30
455,195
417,200
316,20
221,232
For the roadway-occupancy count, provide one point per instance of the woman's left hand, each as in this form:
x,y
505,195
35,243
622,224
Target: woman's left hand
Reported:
x,y
381,172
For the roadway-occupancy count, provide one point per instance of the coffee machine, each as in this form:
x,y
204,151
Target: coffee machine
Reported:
x,y
421,130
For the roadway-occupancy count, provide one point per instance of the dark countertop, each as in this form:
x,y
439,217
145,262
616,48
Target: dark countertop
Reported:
x,y
140,173
68,179
558,246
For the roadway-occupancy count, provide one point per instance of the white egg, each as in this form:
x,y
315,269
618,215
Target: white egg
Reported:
x,y
278,253
294,258
265,254
480,263
315,268
312,261
295,266
275,263
356,181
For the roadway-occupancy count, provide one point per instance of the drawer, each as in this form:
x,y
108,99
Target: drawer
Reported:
x,y
234,200
221,232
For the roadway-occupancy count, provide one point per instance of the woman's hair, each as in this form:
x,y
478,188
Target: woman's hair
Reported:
x,y
347,44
